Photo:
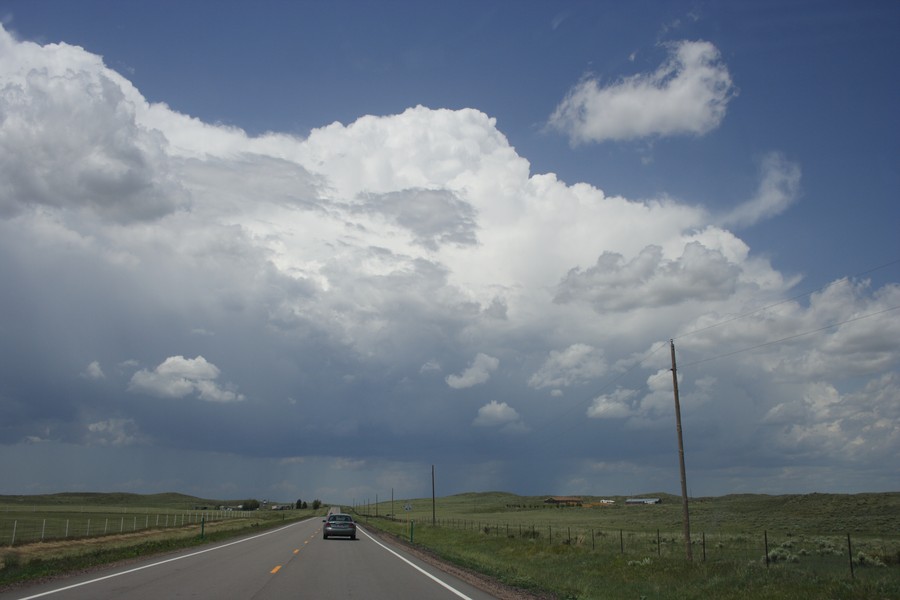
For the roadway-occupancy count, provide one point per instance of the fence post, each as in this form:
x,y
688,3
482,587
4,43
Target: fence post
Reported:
x,y
658,546
766,540
593,544
621,542
703,538
850,552
15,524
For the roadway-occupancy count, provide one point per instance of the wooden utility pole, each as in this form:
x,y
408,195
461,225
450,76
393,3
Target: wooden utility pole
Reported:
x,y
686,519
433,514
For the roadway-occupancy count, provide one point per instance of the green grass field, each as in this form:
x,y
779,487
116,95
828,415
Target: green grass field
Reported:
x,y
619,551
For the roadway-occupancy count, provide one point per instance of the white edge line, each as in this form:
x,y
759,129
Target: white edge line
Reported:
x,y
413,565
156,564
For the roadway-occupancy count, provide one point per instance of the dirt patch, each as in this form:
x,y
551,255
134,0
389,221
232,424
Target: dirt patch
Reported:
x,y
75,547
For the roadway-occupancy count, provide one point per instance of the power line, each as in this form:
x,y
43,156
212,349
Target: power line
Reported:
x,y
785,301
792,337
549,428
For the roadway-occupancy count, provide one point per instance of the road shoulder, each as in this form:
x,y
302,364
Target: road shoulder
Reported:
x,y
481,581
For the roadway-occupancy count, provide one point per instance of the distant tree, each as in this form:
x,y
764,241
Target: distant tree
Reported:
x,y
305,505
299,504
251,504
317,504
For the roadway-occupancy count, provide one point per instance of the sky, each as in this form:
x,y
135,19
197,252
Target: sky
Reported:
x,y
313,249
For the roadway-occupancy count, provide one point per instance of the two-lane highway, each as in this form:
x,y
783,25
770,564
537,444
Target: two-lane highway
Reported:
x,y
290,562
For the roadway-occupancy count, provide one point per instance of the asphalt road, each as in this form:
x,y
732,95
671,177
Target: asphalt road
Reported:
x,y
291,562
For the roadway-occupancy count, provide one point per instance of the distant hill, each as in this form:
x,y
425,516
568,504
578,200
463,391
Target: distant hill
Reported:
x,y
121,499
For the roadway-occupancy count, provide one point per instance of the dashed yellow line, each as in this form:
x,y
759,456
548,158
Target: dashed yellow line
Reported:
x,y
296,551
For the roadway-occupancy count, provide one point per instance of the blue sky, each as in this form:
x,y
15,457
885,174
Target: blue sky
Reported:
x,y
311,249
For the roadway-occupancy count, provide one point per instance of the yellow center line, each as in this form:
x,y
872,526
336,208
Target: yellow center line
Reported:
x,y
275,570
296,550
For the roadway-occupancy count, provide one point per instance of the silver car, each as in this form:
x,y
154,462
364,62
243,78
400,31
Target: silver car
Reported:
x,y
339,524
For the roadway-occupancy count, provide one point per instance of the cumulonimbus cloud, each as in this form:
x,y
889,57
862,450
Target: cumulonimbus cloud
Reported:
x,y
352,256
687,94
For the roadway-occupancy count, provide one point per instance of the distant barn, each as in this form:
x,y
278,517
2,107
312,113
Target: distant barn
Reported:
x,y
564,501
635,501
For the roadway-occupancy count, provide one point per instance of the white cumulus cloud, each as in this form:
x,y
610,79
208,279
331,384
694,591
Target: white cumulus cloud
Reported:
x,y
778,189
477,373
687,94
113,432
501,415
617,405
93,371
576,364
178,377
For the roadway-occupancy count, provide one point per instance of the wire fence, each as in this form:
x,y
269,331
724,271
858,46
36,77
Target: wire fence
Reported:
x,y
824,553
17,528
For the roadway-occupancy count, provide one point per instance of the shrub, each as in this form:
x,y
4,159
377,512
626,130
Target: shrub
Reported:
x,y
12,560
640,563
782,555
827,547
867,560
891,559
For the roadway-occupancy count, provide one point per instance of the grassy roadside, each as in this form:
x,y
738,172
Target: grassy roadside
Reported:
x,y
42,560
570,571
637,552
